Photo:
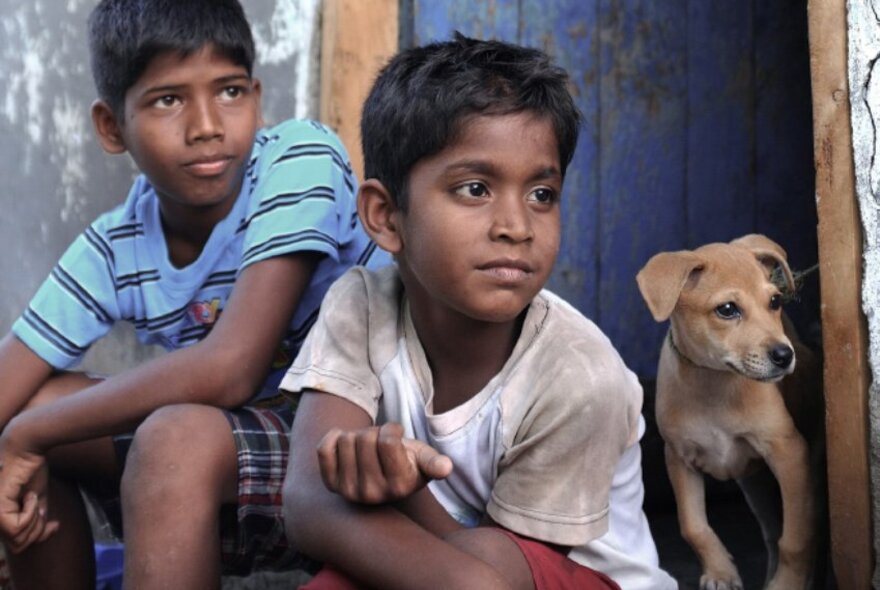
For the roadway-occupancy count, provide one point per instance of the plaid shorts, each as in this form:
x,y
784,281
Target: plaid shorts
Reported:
x,y
252,532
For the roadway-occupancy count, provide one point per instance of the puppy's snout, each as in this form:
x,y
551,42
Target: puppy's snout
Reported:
x,y
781,355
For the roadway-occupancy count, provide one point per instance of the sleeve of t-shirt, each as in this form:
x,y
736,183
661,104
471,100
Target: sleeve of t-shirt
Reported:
x,y
581,413
75,306
337,356
303,193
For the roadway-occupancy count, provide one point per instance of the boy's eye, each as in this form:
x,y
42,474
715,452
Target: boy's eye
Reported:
x,y
232,92
167,101
472,189
542,195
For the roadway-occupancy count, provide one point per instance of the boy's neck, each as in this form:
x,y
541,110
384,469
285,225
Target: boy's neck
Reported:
x,y
187,230
464,354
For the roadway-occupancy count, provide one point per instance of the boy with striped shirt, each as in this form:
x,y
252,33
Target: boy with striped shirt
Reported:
x,y
221,253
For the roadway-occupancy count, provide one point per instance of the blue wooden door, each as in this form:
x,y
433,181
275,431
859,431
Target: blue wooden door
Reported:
x,y
697,129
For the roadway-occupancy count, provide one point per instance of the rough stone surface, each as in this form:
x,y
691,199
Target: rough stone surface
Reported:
x,y
864,81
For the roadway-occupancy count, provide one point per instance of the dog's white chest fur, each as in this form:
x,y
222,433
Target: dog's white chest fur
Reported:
x,y
711,450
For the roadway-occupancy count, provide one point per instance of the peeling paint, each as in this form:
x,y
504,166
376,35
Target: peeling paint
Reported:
x,y
289,36
69,132
25,53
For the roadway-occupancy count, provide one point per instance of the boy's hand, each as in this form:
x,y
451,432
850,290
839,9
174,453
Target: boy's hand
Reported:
x,y
24,479
376,465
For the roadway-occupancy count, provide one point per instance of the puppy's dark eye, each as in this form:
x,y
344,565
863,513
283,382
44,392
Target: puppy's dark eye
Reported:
x,y
727,311
776,302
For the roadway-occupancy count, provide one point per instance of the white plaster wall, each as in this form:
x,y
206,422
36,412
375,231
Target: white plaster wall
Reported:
x,y
55,178
864,81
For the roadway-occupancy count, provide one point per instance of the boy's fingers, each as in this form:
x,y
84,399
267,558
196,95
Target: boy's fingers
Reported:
x,y
34,532
346,465
327,459
28,524
401,474
431,463
392,453
51,528
371,482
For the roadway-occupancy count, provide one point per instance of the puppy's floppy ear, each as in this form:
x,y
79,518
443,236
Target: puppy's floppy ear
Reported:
x,y
662,279
768,253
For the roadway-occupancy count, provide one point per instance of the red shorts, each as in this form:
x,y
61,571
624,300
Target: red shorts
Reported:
x,y
550,571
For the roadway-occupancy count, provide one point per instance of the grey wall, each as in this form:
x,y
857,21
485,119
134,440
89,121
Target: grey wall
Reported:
x,y
864,82
56,179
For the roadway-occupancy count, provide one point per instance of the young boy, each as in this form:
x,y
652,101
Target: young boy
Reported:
x,y
513,407
222,253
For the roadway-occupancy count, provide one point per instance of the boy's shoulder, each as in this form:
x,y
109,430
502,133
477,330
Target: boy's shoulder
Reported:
x,y
569,366
564,333
362,295
127,218
297,132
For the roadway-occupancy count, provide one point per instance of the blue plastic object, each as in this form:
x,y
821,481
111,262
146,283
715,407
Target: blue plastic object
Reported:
x,y
108,559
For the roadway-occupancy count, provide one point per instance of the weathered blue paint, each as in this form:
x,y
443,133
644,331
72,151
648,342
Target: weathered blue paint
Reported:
x,y
721,122
567,30
697,129
642,145
487,19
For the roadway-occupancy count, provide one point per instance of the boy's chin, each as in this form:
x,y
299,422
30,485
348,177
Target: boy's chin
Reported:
x,y
499,314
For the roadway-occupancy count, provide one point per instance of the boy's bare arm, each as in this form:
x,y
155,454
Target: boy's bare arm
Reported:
x,y
222,370
22,373
377,545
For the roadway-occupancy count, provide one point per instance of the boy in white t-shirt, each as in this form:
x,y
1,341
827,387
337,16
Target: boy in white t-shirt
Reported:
x,y
508,455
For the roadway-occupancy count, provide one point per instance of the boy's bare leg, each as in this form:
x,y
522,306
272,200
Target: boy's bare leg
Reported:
x,y
66,560
181,468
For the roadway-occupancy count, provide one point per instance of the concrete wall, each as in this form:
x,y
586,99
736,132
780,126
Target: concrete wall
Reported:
x,y
55,177
864,80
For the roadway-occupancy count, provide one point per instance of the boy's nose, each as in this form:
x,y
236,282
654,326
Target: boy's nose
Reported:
x,y
204,122
511,219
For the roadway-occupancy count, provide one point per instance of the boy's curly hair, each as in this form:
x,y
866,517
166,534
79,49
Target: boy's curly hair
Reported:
x,y
423,95
125,35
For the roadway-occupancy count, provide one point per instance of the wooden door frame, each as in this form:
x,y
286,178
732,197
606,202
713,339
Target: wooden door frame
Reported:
x,y
357,38
844,327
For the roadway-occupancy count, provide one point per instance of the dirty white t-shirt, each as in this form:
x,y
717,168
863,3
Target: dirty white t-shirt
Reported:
x,y
548,448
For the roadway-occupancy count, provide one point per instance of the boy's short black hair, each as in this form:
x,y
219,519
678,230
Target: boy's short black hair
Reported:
x,y
423,95
124,35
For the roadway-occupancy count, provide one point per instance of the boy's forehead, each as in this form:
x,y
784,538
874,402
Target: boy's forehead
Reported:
x,y
484,135
168,62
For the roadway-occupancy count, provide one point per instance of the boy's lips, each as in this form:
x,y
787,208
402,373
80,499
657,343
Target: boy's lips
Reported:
x,y
209,165
507,270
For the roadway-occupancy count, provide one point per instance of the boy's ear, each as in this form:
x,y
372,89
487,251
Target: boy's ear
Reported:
x,y
380,216
107,128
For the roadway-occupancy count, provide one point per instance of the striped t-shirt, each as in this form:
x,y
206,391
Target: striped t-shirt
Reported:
x,y
298,195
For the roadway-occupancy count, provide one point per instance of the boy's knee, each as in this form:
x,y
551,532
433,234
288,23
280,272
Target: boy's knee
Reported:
x,y
184,447
164,433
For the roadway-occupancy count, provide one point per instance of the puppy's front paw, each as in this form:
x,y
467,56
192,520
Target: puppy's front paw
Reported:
x,y
728,580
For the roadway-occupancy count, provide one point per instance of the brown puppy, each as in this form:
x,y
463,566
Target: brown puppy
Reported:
x,y
722,407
